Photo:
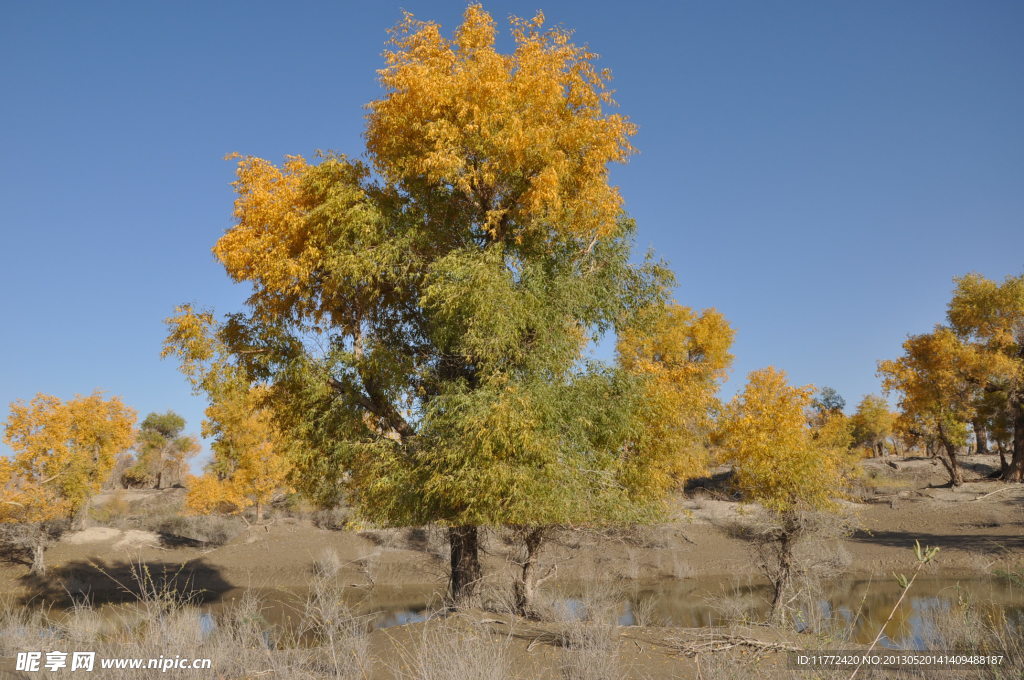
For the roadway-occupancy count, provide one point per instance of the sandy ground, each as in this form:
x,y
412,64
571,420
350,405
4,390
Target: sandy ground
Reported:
x,y
978,526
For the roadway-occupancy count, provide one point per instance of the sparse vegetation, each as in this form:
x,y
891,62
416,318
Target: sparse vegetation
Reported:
x,y
420,393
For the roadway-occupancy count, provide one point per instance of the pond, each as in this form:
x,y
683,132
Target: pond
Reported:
x,y
858,606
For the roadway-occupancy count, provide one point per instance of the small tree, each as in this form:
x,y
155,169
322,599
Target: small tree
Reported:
x,y
827,401
63,452
682,358
250,467
872,424
250,464
161,452
780,463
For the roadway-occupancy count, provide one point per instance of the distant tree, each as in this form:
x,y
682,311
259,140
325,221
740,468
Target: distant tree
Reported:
x,y
683,357
63,452
161,452
936,379
995,418
780,463
250,464
989,317
872,424
828,401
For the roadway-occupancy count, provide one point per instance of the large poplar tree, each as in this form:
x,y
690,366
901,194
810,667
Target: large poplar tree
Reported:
x,y
421,321
989,317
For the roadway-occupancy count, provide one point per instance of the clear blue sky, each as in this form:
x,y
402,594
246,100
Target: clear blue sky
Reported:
x,y
817,170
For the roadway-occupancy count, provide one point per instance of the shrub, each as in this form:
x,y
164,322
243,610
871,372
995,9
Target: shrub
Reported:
x,y
214,530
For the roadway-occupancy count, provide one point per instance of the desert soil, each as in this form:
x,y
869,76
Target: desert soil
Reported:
x,y
978,526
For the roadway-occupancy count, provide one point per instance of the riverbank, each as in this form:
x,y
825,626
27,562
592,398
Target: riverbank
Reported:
x,y
977,526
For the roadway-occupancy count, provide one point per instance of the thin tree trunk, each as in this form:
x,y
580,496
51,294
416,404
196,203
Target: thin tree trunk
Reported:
x,y
1015,473
980,436
949,461
784,576
259,511
38,564
524,588
78,519
466,573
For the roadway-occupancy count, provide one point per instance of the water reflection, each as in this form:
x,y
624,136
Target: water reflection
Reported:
x,y
859,607
862,605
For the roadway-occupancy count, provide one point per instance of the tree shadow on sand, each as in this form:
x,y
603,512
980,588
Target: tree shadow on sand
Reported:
x,y
973,543
102,582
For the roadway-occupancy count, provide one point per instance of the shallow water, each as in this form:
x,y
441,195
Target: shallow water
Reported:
x,y
705,602
862,605
859,606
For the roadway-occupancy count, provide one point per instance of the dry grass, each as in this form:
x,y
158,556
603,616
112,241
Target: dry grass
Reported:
x,y
211,530
448,653
164,622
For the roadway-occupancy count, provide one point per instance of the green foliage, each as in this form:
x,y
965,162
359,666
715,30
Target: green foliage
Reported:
x,y
827,401
161,451
422,331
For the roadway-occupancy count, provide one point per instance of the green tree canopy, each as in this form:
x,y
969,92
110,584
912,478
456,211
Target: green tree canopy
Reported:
x,y
421,323
161,452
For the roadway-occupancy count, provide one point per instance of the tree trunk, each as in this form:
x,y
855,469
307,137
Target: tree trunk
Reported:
x,y
784,576
1015,473
465,576
38,565
524,587
980,436
949,461
259,511
77,520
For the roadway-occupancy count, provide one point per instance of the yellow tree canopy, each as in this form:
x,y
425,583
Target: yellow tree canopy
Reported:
x,y
779,461
250,455
937,382
519,141
873,422
63,452
992,314
682,356
421,321
250,464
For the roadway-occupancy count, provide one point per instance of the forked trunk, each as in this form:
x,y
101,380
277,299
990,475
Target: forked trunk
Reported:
x,y
949,461
527,582
784,576
464,580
